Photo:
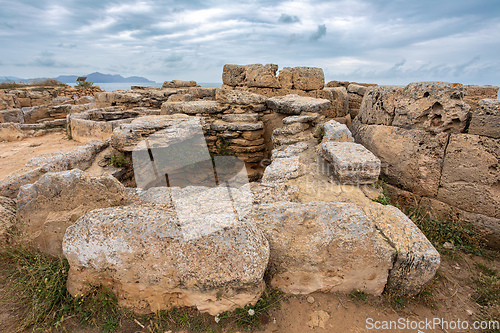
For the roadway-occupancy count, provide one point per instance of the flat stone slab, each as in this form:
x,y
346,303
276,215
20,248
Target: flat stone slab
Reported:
x,y
486,120
284,169
244,117
289,150
295,104
220,126
335,131
352,163
194,107
305,118
241,97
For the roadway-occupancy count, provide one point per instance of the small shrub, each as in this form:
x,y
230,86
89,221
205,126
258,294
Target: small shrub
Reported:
x,y
320,132
251,316
119,160
358,295
84,84
384,198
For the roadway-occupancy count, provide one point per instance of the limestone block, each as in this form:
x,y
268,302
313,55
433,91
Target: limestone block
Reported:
x,y
243,117
357,89
416,260
285,77
284,169
8,214
221,126
471,174
233,75
308,78
434,107
12,116
141,254
194,107
335,131
352,163
304,118
241,97
295,104
410,157
288,150
179,84
258,75
339,100
486,120
323,246
379,105
58,199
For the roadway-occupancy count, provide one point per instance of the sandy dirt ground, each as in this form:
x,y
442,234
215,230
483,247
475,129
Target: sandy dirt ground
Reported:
x,y
13,155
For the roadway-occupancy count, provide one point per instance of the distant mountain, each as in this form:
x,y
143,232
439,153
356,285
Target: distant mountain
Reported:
x,y
97,77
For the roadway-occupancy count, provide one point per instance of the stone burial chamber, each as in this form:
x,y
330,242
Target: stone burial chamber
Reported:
x,y
268,174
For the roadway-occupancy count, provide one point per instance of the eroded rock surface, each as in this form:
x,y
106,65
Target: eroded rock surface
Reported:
x,y
58,199
217,272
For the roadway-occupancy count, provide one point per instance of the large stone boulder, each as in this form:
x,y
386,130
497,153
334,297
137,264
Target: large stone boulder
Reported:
x,y
295,104
434,107
471,174
7,218
58,199
486,120
409,157
416,259
142,255
323,246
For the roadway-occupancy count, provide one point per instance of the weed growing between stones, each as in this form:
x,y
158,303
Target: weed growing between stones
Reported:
x,y
464,236
320,132
252,316
118,160
488,292
358,295
38,290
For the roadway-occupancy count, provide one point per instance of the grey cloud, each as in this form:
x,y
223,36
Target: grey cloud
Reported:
x,y
284,18
321,32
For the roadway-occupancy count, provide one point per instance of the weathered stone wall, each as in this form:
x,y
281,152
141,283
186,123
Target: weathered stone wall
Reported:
x,y
441,142
302,81
35,96
355,93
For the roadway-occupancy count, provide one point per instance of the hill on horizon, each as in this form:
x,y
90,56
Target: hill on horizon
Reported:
x,y
95,77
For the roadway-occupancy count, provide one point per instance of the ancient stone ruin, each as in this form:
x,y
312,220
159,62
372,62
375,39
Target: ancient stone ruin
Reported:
x,y
270,174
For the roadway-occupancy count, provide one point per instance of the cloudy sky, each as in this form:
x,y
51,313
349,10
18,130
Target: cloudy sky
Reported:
x,y
380,41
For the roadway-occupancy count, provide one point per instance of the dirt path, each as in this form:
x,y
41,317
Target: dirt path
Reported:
x,y
13,155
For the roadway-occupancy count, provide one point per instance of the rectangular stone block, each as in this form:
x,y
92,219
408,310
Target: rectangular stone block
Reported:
x,y
486,120
352,163
471,174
